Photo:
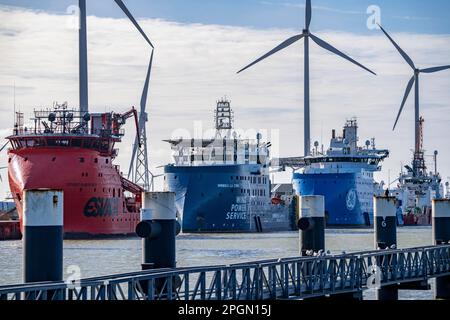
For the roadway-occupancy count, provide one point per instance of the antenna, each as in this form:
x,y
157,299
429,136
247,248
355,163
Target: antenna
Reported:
x,y
14,96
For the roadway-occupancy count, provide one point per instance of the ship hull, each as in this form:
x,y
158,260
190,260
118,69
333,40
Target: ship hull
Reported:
x,y
348,196
217,199
94,201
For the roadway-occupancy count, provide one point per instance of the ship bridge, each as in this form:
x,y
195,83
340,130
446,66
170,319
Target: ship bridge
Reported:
x,y
64,127
226,148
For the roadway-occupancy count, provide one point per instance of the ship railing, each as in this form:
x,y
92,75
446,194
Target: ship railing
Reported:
x,y
68,132
290,278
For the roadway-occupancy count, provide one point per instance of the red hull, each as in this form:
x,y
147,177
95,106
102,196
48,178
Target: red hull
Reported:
x,y
94,200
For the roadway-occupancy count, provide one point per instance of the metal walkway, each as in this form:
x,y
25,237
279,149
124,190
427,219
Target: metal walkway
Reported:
x,y
292,278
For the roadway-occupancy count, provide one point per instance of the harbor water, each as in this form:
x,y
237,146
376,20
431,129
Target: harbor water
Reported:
x,y
103,257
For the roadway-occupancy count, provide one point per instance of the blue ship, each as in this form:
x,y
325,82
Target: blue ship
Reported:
x,y
344,175
222,184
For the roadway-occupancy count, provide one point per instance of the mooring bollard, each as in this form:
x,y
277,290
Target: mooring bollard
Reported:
x,y
311,224
441,235
386,237
158,228
43,235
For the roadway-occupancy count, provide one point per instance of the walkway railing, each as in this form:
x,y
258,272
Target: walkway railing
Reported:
x,y
292,278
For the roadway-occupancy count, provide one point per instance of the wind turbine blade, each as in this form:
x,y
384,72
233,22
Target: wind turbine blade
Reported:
x,y
403,53
283,45
332,49
142,115
4,146
308,14
408,90
130,16
435,69
146,85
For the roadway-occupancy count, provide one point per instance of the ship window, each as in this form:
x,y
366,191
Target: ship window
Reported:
x,y
82,174
82,160
76,143
107,160
114,193
26,159
54,159
96,160
230,177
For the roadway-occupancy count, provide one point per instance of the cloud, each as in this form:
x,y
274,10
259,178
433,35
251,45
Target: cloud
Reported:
x,y
196,64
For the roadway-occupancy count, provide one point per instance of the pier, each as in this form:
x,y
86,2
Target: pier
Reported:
x,y
291,278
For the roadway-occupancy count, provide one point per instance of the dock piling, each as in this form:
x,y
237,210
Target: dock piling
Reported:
x,y
441,235
311,224
385,237
158,229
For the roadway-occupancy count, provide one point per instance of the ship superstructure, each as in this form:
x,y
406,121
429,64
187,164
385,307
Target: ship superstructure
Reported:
x,y
222,184
344,175
65,149
417,187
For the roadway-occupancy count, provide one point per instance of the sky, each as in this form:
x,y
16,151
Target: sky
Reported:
x,y
201,44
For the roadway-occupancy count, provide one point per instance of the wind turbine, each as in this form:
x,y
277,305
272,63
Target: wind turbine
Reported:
x,y
153,179
306,35
139,171
412,81
139,159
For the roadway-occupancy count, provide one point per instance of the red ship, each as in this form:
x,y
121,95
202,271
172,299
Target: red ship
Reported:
x,y
73,151
68,152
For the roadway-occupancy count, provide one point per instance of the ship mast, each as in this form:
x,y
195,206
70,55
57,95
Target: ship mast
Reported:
x,y
419,167
223,117
83,64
